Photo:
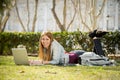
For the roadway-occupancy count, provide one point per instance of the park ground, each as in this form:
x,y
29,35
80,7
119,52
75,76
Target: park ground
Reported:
x,y
10,71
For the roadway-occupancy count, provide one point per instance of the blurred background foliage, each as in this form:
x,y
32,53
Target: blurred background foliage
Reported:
x,y
69,40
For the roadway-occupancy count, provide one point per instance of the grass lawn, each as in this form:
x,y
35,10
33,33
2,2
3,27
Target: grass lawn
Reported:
x,y
10,71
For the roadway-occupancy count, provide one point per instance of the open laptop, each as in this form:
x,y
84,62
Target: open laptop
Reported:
x,y
20,56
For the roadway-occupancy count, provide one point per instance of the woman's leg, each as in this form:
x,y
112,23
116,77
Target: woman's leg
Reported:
x,y
96,35
98,47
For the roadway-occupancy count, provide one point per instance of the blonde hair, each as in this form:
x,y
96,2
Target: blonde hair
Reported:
x,y
42,53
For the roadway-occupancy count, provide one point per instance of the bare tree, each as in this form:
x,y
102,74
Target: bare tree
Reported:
x,y
24,30
75,3
63,26
28,22
4,20
90,12
35,15
5,7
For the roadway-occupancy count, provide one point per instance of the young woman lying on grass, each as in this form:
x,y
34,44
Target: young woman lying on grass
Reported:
x,y
52,52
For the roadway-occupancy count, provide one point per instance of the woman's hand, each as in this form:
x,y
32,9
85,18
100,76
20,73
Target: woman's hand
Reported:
x,y
45,62
36,62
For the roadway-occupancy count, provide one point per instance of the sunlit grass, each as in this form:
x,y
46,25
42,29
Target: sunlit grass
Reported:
x,y
10,71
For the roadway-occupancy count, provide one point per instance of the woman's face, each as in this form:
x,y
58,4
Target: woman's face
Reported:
x,y
45,40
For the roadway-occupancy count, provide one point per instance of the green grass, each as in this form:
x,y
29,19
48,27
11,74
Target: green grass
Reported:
x,y
10,71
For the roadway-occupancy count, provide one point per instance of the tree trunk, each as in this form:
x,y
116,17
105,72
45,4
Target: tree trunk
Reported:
x,y
81,17
4,20
19,17
64,14
28,15
56,17
75,2
91,13
35,15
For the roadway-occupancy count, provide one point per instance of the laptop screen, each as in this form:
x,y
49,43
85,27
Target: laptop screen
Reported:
x,y
20,56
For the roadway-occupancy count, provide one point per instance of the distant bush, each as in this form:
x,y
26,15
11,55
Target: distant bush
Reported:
x,y
110,42
69,40
10,40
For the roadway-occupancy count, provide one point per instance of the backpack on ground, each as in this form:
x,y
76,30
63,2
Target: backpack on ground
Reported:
x,y
92,59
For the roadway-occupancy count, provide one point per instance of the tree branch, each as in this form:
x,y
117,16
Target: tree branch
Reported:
x,y
35,15
100,11
56,18
73,15
19,17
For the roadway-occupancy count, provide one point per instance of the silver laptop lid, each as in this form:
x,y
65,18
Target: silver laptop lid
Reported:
x,y
20,56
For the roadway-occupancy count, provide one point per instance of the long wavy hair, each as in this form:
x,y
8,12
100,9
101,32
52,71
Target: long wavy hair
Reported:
x,y
45,54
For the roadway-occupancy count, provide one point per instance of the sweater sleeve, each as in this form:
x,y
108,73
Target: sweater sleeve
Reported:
x,y
56,56
57,52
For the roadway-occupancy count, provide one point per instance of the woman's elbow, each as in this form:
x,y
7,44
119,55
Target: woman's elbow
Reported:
x,y
54,62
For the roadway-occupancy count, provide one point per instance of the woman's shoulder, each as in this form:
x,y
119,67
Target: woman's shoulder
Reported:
x,y
56,43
